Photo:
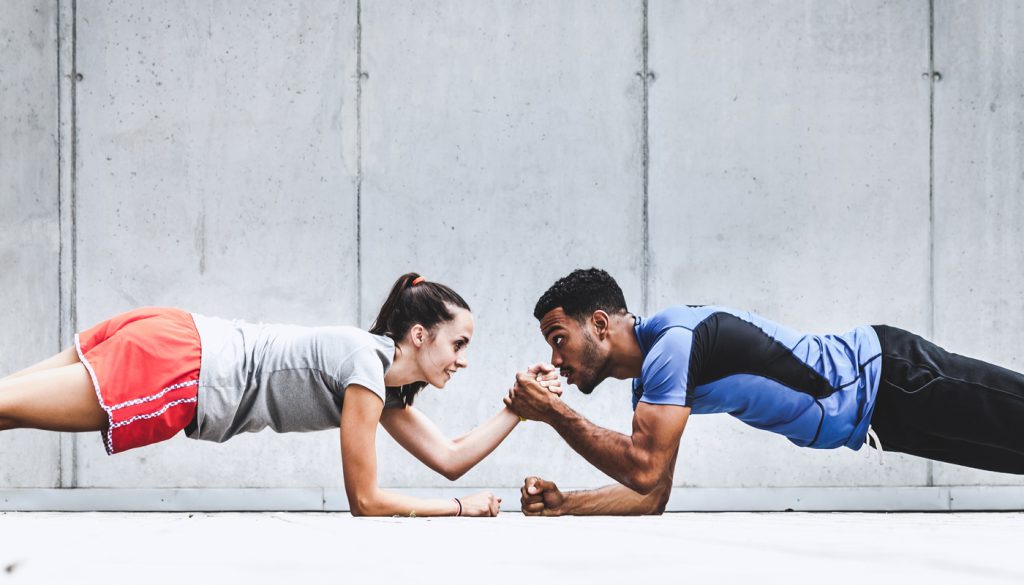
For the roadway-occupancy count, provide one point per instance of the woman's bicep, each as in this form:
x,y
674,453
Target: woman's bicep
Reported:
x,y
359,417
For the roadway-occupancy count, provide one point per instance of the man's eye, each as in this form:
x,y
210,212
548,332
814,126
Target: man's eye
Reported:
x,y
558,340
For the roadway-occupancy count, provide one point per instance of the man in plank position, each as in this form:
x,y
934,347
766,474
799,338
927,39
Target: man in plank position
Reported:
x,y
873,385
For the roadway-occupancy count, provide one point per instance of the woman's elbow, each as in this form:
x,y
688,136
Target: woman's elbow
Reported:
x,y
357,509
365,506
452,472
450,467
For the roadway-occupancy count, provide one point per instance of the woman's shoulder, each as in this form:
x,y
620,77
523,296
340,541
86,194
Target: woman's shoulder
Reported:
x,y
348,344
353,336
361,357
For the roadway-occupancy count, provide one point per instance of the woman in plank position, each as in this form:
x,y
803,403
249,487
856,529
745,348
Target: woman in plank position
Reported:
x,y
143,376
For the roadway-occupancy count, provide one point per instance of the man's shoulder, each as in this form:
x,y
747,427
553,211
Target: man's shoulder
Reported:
x,y
671,330
685,316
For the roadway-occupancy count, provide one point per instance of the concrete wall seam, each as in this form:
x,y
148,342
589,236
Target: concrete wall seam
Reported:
x,y
930,469
645,161
360,76
67,162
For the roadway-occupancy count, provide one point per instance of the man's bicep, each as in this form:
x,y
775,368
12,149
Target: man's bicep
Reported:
x,y
657,428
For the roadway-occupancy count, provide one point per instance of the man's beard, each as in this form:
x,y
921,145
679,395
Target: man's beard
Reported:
x,y
587,377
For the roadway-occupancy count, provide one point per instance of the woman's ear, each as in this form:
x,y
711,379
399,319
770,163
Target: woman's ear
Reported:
x,y
417,335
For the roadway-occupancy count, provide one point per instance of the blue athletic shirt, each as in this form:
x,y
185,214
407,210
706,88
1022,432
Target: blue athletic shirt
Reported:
x,y
817,390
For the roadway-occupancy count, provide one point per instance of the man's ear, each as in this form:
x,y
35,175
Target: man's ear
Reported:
x,y
600,322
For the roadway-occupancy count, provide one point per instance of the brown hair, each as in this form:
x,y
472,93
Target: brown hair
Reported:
x,y
413,300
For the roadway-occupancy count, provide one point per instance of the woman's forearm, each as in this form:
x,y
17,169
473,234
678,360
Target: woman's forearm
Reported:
x,y
385,503
472,447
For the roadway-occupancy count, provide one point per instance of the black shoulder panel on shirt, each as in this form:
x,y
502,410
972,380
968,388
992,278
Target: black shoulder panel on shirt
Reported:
x,y
725,345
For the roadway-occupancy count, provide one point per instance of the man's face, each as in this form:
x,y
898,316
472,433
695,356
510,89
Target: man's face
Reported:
x,y
574,350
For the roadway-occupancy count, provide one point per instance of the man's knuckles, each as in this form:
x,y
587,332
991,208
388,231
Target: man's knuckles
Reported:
x,y
543,485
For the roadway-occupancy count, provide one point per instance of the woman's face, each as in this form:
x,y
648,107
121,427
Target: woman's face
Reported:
x,y
444,351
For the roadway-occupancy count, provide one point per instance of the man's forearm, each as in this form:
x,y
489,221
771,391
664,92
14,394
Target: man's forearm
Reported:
x,y
610,451
616,500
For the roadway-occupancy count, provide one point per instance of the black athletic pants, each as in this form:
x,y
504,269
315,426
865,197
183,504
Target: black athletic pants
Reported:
x,y
947,407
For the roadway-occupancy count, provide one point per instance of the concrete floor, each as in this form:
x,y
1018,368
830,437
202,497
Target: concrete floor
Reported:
x,y
280,548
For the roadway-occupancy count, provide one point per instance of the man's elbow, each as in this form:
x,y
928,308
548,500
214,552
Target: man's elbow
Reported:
x,y
643,482
654,483
655,500
659,499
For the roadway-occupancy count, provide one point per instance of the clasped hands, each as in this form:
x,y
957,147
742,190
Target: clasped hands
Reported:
x,y
535,392
533,396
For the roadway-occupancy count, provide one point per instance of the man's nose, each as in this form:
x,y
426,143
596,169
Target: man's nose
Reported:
x,y
556,360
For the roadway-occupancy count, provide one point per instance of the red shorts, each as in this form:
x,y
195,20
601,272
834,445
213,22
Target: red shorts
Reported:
x,y
145,368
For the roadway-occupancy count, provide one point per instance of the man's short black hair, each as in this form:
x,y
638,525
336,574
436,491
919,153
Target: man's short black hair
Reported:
x,y
581,293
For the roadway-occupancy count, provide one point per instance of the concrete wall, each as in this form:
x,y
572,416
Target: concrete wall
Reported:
x,y
284,162
30,231
979,191
789,159
466,179
216,171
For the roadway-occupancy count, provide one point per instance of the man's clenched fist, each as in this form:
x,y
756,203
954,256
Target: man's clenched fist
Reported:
x,y
541,497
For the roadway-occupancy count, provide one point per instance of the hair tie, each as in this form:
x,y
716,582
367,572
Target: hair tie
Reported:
x,y
418,280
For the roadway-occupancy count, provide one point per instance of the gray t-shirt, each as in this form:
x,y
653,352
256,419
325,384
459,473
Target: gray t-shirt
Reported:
x,y
286,377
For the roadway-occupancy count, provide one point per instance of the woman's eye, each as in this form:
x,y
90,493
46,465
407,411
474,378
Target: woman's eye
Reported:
x,y
459,345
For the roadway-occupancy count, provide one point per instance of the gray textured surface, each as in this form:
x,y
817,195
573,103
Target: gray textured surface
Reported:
x,y
217,173
231,160
328,548
496,175
29,221
789,160
979,191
